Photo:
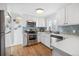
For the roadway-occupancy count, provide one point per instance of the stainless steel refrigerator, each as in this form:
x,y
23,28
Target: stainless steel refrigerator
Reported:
x,y
2,33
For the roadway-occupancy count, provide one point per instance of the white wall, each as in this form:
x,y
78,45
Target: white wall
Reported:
x,y
2,6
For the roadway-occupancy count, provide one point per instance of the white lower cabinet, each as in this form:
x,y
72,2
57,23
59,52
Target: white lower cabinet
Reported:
x,y
44,38
18,36
24,39
14,38
8,40
38,37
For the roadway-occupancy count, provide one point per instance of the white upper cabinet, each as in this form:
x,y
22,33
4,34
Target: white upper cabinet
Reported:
x,y
68,15
60,17
72,14
41,22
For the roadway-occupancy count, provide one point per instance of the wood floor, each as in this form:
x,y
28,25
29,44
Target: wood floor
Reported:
x,y
34,50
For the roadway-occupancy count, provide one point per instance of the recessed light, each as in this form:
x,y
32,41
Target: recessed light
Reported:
x,y
39,11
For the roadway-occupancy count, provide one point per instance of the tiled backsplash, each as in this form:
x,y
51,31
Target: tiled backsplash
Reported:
x,y
71,29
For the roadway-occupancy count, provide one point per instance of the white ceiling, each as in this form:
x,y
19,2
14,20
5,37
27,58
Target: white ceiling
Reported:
x,y
29,8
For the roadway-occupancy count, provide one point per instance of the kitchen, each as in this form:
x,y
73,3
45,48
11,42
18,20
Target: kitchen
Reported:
x,y
54,25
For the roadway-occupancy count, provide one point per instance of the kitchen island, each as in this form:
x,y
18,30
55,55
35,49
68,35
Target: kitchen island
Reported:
x,y
68,46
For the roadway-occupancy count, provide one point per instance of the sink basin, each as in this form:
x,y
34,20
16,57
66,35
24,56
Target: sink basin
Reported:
x,y
59,38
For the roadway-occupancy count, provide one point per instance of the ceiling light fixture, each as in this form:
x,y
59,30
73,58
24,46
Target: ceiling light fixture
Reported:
x,y
39,11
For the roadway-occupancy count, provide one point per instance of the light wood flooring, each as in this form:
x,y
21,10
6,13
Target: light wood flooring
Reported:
x,y
34,50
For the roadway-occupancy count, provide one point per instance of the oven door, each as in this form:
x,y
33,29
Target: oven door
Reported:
x,y
32,37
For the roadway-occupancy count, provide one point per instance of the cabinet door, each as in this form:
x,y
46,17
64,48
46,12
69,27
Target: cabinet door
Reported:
x,y
41,22
18,36
44,38
40,37
25,39
8,41
47,40
61,17
72,14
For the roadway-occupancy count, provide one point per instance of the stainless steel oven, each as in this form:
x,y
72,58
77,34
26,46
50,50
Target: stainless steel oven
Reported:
x,y
31,38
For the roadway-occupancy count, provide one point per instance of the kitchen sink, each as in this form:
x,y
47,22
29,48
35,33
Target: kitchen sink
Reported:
x,y
58,38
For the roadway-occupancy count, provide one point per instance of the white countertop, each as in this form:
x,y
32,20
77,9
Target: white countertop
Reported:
x,y
64,35
70,45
